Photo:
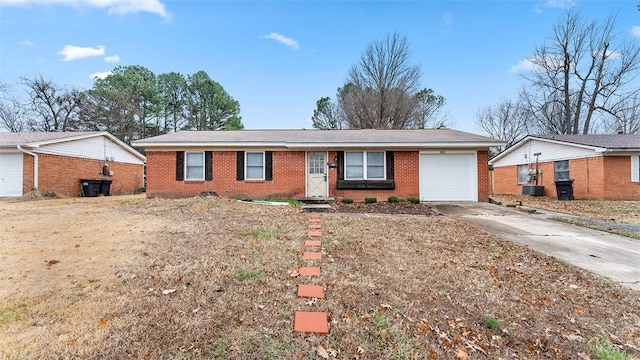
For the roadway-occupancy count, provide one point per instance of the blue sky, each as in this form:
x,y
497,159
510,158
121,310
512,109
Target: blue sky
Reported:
x,y
278,57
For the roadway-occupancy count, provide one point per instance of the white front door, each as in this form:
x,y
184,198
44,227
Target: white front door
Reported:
x,y
316,174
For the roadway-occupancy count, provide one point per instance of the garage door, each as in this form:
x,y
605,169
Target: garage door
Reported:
x,y
10,175
448,177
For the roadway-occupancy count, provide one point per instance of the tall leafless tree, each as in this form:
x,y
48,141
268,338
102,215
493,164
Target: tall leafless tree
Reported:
x,y
52,107
507,120
381,92
383,84
580,75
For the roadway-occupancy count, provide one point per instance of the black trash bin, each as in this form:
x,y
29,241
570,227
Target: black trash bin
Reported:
x,y
90,188
105,186
564,189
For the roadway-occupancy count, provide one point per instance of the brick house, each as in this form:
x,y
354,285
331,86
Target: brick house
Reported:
x,y
602,166
55,162
432,164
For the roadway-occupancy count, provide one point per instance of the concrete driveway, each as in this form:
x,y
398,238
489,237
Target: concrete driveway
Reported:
x,y
611,256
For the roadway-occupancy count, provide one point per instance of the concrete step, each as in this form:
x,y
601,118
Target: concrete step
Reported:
x,y
317,200
315,208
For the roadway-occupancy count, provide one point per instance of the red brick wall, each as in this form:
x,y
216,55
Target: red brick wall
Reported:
x,y
617,179
607,178
288,177
484,187
62,174
406,174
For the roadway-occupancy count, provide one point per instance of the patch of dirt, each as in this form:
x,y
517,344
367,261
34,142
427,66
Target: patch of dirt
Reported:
x,y
215,278
402,207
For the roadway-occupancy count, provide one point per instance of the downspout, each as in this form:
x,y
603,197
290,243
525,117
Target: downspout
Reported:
x,y
35,166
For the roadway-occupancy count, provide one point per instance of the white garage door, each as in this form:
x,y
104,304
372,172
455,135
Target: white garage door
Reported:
x,y
10,175
448,177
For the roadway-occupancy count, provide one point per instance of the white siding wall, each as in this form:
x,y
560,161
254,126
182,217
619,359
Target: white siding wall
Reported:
x,y
98,148
549,152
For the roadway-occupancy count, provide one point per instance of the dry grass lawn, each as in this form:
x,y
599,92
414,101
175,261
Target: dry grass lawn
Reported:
x,y
130,277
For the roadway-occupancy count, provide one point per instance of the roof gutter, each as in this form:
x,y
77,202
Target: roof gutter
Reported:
x,y
35,165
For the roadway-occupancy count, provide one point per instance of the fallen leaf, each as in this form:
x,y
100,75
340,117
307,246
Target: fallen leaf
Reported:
x,y
51,262
322,351
583,356
461,354
103,321
168,291
423,327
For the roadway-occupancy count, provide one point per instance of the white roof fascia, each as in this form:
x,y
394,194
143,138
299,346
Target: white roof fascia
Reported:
x,y
37,144
529,137
319,145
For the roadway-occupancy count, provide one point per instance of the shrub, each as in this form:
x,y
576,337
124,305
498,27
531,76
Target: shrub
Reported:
x,y
370,200
414,200
393,199
347,201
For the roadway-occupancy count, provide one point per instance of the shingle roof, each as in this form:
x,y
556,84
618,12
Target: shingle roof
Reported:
x,y
25,138
609,141
298,138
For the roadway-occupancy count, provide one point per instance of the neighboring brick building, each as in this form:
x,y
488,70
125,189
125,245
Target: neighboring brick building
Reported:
x,y
601,166
55,162
434,164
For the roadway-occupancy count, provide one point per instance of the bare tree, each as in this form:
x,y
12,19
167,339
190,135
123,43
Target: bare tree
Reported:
x,y
580,75
12,115
382,86
627,119
382,92
52,107
507,120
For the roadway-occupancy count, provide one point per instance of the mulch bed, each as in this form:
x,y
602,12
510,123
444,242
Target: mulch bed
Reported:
x,y
402,207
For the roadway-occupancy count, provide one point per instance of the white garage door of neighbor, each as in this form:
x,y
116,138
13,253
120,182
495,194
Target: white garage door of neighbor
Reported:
x,y
448,177
10,175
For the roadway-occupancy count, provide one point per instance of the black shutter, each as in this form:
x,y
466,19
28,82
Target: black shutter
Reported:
x,y
389,165
179,165
208,165
240,165
268,165
340,157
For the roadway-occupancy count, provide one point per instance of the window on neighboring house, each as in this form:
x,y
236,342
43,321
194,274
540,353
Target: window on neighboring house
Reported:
x,y
523,174
254,165
562,170
635,168
363,165
194,165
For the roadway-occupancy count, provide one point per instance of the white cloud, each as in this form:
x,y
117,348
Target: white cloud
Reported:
x,y
112,59
120,7
100,75
635,31
282,39
556,4
523,65
560,4
71,52
27,43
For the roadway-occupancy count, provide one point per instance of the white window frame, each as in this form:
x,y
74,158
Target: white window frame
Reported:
x,y
555,170
186,165
528,178
246,165
364,165
635,168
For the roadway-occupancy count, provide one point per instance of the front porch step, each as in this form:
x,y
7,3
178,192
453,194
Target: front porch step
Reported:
x,y
317,200
315,208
